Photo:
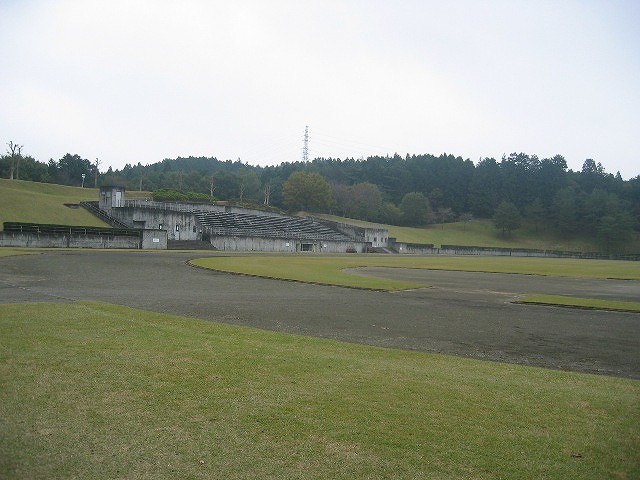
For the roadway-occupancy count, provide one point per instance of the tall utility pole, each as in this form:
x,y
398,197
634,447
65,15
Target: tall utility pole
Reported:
x,y
305,148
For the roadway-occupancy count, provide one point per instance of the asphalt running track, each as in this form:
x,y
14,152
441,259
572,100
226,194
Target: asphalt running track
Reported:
x,y
463,313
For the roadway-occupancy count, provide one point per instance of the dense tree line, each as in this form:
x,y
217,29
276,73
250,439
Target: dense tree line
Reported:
x,y
66,171
411,190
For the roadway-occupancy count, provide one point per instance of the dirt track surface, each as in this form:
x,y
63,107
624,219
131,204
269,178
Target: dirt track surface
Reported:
x,y
463,313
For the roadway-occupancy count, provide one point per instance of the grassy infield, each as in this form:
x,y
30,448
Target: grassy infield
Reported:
x,y
91,390
329,271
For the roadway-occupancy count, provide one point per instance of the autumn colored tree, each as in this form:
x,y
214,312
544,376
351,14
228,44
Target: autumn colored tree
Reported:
x,y
307,191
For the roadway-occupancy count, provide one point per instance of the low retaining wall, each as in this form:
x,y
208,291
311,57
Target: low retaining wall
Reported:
x,y
413,248
429,249
378,237
530,252
268,244
151,240
45,240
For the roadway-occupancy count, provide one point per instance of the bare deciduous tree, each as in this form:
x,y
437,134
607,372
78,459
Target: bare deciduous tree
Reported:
x,y
212,186
267,193
465,218
15,155
444,214
97,164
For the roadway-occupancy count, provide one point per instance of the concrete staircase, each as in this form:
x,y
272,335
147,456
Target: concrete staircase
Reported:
x,y
92,207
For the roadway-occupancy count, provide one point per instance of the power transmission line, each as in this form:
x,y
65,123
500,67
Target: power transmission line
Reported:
x,y
305,148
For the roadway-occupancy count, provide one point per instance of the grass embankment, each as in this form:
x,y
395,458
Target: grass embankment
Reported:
x,y
34,202
92,390
482,233
588,303
329,270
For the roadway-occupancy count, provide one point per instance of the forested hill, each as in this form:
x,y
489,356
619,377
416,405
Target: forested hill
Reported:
x,y
416,189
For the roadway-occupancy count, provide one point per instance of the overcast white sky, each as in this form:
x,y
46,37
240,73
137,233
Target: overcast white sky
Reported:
x,y
139,81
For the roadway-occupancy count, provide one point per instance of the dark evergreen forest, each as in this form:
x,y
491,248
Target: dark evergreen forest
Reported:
x,y
416,189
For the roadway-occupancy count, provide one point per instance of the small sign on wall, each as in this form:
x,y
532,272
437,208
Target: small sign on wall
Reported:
x,y
156,240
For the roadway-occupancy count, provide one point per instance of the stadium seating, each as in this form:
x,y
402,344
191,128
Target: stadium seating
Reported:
x,y
238,224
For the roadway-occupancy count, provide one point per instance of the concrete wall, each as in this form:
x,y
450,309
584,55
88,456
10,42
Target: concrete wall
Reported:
x,y
263,244
11,239
154,240
413,248
111,197
377,237
151,240
429,249
178,225
253,244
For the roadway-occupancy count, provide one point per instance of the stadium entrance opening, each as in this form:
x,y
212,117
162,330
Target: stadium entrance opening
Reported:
x,y
307,247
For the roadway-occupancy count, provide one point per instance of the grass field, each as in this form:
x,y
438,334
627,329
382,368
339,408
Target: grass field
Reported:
x,y
328,270
10,251
92,390
590,303
34,202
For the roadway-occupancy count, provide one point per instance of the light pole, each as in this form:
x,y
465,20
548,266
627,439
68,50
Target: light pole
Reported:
x,y
83,175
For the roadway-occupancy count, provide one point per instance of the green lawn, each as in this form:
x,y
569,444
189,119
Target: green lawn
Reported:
x,y
590,303
310,269
91,390
328,269
33,202
11,251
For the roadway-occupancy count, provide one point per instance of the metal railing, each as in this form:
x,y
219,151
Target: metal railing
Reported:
x,y
174,207
238,232
102,215
46,228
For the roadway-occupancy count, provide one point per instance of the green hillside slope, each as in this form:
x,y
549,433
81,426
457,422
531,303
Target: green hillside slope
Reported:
x,y
34,202
482,233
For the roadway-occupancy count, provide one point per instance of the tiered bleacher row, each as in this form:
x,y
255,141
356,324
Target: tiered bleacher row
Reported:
x,y
239,224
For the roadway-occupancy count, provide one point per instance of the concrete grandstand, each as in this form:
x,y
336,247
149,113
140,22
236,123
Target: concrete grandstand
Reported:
x,y
227,227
